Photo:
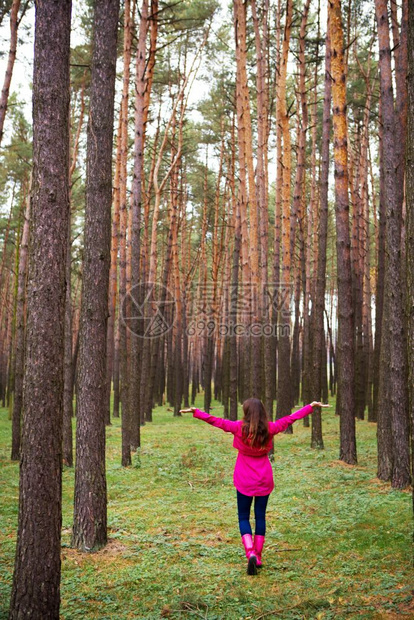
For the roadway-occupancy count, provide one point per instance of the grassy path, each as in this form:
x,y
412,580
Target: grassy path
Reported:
x,y
338,546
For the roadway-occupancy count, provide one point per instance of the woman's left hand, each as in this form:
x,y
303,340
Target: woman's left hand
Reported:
x,y
316,404
189,410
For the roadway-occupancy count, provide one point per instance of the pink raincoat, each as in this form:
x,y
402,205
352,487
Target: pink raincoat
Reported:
x,y
253,474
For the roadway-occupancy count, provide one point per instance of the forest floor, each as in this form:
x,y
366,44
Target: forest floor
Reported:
x,y
338,545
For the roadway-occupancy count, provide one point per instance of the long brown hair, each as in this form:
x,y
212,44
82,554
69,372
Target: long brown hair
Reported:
x,y
255,429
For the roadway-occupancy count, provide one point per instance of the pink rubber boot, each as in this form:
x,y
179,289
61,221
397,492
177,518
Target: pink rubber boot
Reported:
x,y
247,541
258,548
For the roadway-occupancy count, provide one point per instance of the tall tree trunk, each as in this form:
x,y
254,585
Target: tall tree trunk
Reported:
x,y
345,348
67,444
400,61
217,250
128,336
5,336
10,371
284,389
298,212
5,345
67,440
20,333
393,360
176,286
278,211
112,356
115,374
319,302
298,220
13,313
244,119
36,579
121,345
90,517
262,85
136,342
243,360
14,24
410,223
366,256
379,293
234,291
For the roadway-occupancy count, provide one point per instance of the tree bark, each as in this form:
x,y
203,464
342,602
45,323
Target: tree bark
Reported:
x,y
5,346
366,257
67,440
69,358
36,579
20,333
380,274
234,288
409,239
284,389
127,224
135,399
400,62
115,373
112,355
90,518
393,360
242,197
14,24
261,32
278,213
298,219
245,125
319,305
345,347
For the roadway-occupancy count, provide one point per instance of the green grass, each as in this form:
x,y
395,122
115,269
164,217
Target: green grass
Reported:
x,y
338,542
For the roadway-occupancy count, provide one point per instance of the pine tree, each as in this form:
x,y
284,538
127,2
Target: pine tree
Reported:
x,y
90,478
36,580
345,351
410,221
393,356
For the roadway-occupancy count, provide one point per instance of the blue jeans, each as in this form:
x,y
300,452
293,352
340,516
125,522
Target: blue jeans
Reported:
x,y
244,503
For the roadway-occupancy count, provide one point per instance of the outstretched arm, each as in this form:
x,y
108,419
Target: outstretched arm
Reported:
x,y
282,424
227,426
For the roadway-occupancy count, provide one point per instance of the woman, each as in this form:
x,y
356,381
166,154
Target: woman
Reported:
x,y
253,474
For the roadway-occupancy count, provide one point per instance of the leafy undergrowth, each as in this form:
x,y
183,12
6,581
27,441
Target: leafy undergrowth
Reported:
x,y
338,542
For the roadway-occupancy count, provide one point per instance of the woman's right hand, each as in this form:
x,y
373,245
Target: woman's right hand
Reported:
x,y
189,410
316,404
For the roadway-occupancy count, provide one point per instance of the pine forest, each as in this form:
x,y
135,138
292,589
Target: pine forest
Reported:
x,y
206,211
